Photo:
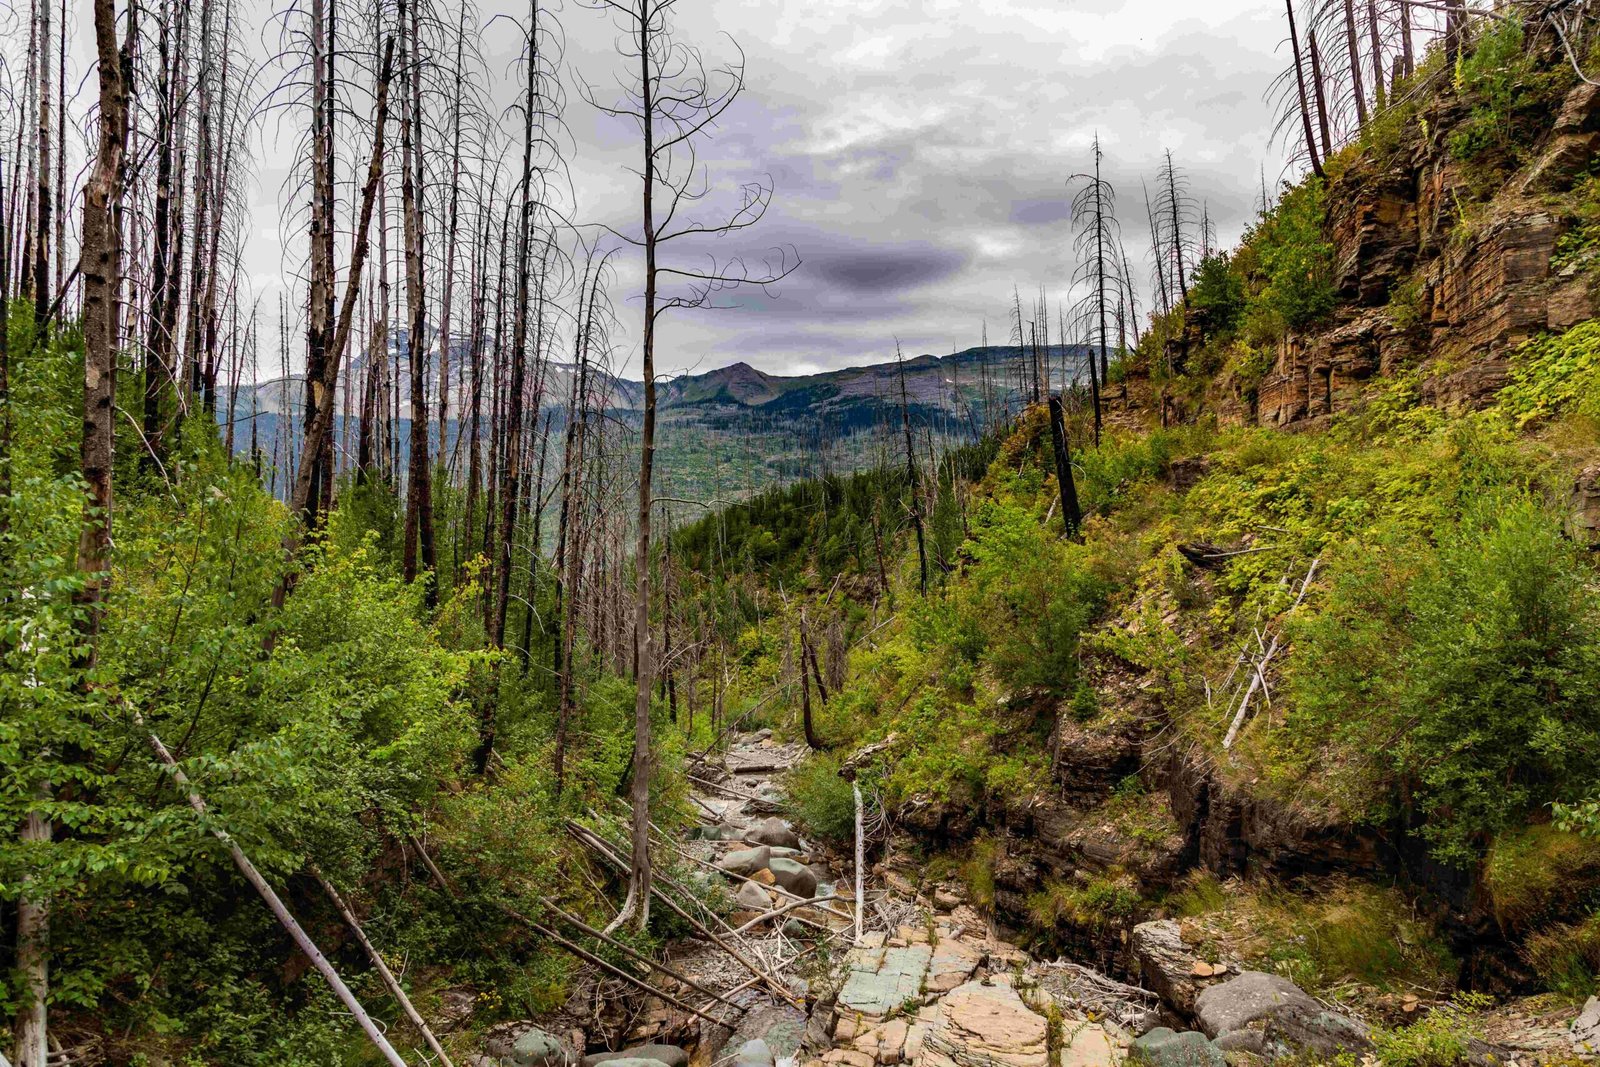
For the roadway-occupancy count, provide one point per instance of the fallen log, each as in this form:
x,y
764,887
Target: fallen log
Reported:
x,y
296,933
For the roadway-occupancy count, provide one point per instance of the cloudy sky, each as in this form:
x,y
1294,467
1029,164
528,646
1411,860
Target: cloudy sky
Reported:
x,y
920,154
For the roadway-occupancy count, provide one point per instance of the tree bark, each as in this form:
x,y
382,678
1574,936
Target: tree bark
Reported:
x,y
1071,514
1355,63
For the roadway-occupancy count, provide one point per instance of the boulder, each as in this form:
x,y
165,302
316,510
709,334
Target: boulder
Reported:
x,y
1321,1035
670,1055
985,1026
720,832
773,832
536,1048
753,1053
746,862
1254,995
1164,1048
1583,507
1586,1029
794,876
753,898
1166,963
777,1029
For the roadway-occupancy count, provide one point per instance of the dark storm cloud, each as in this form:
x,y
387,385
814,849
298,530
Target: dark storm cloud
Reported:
x,y
884,269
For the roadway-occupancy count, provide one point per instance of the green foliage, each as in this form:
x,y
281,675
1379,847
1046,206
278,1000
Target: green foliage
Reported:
x,y
1539,873
1439,1039
1566,957
1106,900
1216,295
1293,264
820,800
1554,374
1493,75
1473,659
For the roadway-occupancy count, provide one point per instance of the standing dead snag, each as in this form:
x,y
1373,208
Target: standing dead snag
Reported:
x,y
1071,514
674,101
911,473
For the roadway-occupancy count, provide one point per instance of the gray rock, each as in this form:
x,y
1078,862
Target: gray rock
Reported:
x,y
1586,1029
1252,1041
773,832
670,1055
796,877
1165,963
540,1048
752,897
1163,1048
720,832
777,1029
753,1053
1320,1035
798,930
746,861
1238,1002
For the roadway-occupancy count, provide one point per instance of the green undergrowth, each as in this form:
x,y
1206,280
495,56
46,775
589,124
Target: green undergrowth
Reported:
x,y
1339,932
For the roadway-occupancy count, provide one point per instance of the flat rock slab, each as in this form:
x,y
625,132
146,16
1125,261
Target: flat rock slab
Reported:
x,y
1089,1045
985,1025
746,861
883,980
671,1055
1586,1029
952,964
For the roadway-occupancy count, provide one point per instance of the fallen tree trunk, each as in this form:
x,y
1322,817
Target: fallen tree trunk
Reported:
x,y
279,910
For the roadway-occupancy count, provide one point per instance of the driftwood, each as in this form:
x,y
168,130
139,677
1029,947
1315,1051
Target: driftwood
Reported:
x,y
639,956
1258,674
279,910
382,968
594,843
861,855
617,972
784,909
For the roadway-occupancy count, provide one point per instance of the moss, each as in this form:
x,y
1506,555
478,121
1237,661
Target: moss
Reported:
x,y
1103,901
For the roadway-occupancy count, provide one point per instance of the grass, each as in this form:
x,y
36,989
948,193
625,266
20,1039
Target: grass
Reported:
x,y
1539,874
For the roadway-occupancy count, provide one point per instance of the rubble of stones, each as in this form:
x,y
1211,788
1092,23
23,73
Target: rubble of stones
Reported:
x,y
942,989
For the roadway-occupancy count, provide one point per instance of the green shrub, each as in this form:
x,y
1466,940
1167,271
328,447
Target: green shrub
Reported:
x,y
1216,296
1294,264
1461,673
821,801
1439,1039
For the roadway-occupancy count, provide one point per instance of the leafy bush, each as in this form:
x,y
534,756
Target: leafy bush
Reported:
x,y
1294,264
821,801
1439,1039
1553,374
1465,671
1492,74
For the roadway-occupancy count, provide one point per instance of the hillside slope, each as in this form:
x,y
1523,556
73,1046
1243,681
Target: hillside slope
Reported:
x,y
1321,702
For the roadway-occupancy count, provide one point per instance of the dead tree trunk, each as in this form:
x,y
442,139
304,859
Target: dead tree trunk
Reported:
x,y
911,476
1071,515
1300,79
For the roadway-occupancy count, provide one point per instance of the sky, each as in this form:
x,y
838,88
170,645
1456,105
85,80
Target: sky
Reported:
x,y
920,155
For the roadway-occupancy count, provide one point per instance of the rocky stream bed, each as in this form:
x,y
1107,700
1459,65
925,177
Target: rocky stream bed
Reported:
x,y
788,983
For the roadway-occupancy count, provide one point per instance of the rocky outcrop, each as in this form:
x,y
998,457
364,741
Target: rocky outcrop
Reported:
x,y
1586,1029
1429,272
1583,507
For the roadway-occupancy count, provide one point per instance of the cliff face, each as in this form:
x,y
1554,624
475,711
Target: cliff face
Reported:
x,y
1432,274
